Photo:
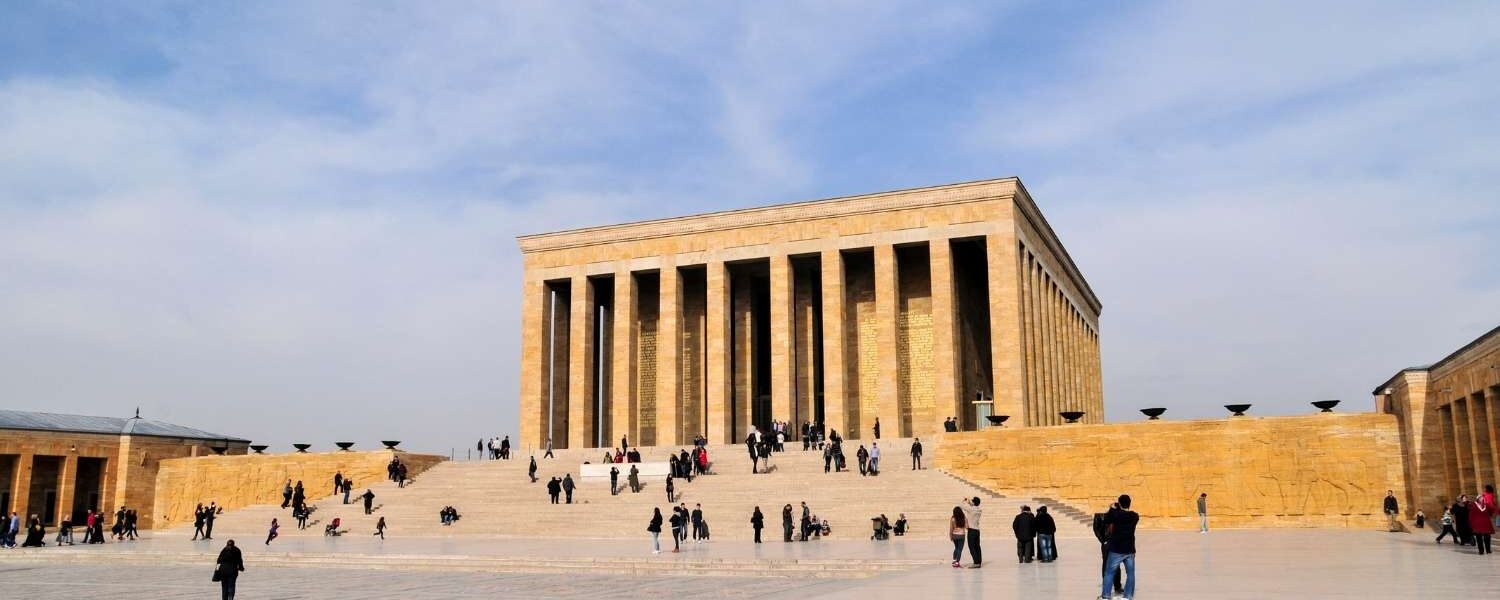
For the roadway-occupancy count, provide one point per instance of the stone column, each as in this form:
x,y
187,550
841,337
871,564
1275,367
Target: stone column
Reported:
x,y
623,410
834,400
533,365
888,408
1476,453
580,358
1460,452
1028,342
1075,382
668,343
1005,321
717,312
1039,346
944,337
67,481
1055,396
1492,425
782,355
20,490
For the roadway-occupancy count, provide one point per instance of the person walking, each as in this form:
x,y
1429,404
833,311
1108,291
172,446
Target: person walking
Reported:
x,y
273,533
228,568
677,518
1121,532
670,497
655,529
369,498
786,523
1482,523
286,494
863,457
1046,530
549,449
197,523
757,522
338,481
554,489
348,487
877,428
380,528
567,486
208,520
874,458
916,454
972,513
1024,526
1447,522
531,470
1389,506
635,480
1203,512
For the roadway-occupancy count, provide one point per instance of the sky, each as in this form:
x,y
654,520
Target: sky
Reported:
x,y
294,221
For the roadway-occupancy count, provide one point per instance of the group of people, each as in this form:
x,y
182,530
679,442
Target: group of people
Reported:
x,y
1469,521
124,528
1035,535
494,448
680,520
396,471
203,520
557,487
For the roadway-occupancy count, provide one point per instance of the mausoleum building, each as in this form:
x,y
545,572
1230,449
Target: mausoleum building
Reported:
x,y
909,307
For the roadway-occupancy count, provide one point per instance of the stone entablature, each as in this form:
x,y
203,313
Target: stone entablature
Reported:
x,y
905,307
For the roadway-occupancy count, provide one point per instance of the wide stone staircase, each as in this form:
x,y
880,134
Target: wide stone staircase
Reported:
x,y
496,498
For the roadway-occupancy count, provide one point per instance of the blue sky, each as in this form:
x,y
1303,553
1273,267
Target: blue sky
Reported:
x,y
293,221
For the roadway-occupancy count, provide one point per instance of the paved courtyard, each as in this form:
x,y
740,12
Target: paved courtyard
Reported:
x,y
1178,565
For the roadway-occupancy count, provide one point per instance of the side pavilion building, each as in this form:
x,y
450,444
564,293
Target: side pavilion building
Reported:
x,y
59,466
906,307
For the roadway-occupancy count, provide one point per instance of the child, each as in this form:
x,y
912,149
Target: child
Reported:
x,y
1447,527
1421,520
380,528
272,535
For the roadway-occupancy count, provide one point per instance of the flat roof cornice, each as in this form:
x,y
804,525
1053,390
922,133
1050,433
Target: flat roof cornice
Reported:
x,y
770,215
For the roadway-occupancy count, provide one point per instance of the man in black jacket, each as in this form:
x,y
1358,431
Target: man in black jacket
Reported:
x,y
1046,528
1024,525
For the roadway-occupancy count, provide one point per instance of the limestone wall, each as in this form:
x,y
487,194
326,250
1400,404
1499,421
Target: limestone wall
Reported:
x,y
239,481
1320,470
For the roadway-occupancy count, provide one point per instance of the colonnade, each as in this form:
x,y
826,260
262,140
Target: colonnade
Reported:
x,y
659,350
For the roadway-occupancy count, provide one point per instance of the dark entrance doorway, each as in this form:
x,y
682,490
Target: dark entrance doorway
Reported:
x,y
88,487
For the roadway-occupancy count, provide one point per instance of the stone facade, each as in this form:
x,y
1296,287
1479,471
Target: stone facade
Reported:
x,y
1320,470
239,481
908,306
1450,432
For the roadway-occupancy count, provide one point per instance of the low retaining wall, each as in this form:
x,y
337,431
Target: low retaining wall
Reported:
x,y
239,481
1321,470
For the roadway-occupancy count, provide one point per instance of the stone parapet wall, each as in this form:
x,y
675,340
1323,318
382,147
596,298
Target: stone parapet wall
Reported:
x,y
1321,470
239,481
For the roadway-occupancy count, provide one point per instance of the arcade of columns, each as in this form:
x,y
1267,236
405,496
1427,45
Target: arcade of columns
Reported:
x,y
908,307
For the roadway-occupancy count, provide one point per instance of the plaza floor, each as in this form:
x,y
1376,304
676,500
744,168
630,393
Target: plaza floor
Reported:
x,y
1177,565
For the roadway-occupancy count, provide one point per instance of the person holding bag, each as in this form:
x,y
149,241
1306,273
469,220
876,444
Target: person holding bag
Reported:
x,y
230,564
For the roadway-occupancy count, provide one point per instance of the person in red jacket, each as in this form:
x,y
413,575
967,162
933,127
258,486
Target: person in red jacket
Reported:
x,y
1482,522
